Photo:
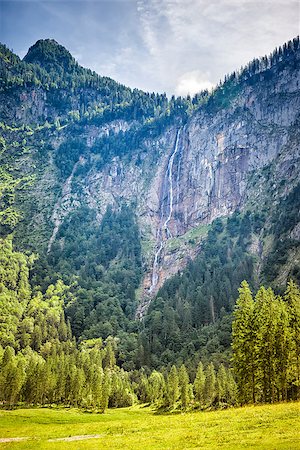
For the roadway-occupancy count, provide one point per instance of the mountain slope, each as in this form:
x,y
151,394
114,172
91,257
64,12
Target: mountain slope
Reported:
x,y
126,188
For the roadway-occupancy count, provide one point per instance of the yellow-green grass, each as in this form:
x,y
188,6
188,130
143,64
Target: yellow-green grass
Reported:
x,y
269,427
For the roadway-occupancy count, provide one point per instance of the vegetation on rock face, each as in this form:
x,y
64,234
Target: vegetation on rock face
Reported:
x,y
285,220
50,75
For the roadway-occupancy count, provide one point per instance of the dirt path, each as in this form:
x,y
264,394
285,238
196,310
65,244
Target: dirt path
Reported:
x,y
66,439
77,438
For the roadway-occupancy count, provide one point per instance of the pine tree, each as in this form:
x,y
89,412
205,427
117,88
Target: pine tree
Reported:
x,y
283,350
222,388
244,345
267,317
156,387
210,385
231,388
172,387
292,297
199,385
184,387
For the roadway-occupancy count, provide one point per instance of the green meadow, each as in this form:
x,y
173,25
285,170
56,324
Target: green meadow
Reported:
x,y
269,427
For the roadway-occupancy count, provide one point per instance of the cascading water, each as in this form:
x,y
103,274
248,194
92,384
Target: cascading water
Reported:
x,y
154,278
164,232
170,178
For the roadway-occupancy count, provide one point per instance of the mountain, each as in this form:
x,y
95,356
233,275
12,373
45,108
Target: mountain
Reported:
x,y
152,208
50,55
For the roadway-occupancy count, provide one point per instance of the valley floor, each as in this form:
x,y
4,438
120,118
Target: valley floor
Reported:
x,y
266,427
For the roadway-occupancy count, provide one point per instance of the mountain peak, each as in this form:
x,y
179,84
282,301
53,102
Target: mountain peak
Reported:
x,y
49,54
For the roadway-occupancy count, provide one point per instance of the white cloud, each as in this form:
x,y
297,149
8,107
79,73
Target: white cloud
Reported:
x,y
193,82
186,38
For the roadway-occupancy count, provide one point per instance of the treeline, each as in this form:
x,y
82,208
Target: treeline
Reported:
x,y
51,66
61,374
87,377
266,345
76,93
41,363
264,68
174,389
258,65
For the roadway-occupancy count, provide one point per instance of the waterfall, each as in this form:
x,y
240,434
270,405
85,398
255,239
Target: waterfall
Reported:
x,y
177,181
154,278
170,179
164,232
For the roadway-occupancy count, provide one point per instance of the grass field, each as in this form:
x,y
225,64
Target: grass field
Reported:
x,y
266,427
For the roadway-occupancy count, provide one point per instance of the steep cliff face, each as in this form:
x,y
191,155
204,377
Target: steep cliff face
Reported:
x,y
218,152
220,149
179,180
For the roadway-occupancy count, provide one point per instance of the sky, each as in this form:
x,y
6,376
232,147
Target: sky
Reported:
x,y
173,46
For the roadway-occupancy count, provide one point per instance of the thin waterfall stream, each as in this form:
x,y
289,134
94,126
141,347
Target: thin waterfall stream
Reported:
x,y
164,232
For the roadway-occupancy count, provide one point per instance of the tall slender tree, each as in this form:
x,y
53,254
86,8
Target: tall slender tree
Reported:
x,y
244,345
172,387
210,384
292,297
199,385
184,387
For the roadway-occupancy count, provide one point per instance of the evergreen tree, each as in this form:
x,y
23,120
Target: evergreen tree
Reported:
x,y
244,345
267,317
231,388
283,349
222,385
156,387
172,387
199,385
184,387
210,384
292,297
